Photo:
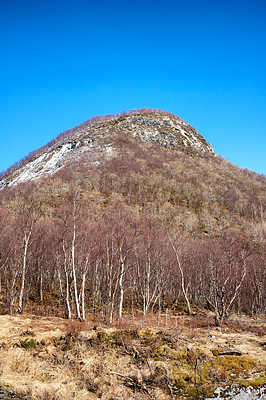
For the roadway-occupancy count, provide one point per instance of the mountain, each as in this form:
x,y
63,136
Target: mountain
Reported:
x,y
97,135
132,211
148,159
132,221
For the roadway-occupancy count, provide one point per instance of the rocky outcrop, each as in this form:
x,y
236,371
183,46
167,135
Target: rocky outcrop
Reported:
x,y
167,130
96,137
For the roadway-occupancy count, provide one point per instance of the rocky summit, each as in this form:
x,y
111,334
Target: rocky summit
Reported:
x,y
96,137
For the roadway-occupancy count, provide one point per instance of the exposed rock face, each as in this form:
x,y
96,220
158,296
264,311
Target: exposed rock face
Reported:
x,y
95,138
168,130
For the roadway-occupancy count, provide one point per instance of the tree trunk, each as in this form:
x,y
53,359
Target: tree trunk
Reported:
x,y
83,295
74,276
67,283
26,243
182,278
12,293
41,288
121,278
67,297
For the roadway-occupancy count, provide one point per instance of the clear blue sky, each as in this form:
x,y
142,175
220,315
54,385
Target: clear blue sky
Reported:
x,y
63,62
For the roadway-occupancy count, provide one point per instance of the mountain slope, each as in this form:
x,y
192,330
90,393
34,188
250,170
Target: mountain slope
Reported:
x,y
97,136
150,160
100,202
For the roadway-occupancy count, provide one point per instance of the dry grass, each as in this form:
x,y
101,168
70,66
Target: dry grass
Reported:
x,y
54,359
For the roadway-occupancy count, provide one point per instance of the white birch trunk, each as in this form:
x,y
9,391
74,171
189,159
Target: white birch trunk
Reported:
x,y
83,295
67,283
182,278
26,243
41,289
74,273
67,297
121,279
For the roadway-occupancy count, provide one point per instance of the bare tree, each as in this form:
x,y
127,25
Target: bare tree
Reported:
x,y
226,271
176,244
27,213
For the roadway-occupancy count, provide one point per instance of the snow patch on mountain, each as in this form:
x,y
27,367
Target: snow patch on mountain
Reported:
x,y
89,144
57,158
45,163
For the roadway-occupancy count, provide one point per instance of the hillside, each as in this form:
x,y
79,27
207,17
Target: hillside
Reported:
x,y
133,223
119,192
98,134
196,178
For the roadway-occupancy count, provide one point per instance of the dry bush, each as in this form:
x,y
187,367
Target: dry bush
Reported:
x,y
75,327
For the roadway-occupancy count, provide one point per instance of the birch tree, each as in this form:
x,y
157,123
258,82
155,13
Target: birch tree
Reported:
x,y
225,274
176,244
27,214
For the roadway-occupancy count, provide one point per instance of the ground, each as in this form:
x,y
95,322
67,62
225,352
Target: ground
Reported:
x,y
49,358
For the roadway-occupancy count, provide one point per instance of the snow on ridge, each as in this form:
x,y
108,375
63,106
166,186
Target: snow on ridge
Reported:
x,y
28,171
51,161
44,164
50,165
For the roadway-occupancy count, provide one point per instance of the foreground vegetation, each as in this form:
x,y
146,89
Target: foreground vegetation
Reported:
x,y
182,358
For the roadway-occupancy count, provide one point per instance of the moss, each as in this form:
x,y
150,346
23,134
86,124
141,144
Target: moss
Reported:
x,y
224,369
235,364
118,338
114,340
209,373
254,383
65,342
146,332
183,383
160,352
46,378
131,334
28,344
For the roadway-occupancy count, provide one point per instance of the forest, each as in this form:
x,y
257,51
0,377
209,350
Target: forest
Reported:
x,y
143,232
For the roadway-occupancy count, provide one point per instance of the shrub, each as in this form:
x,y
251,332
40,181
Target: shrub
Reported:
x,y
28,344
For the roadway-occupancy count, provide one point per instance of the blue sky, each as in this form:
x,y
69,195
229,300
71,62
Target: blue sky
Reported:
x,y
63,62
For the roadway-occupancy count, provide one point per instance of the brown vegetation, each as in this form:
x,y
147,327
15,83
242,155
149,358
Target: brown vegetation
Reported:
x,y
50,358
142,231
146,240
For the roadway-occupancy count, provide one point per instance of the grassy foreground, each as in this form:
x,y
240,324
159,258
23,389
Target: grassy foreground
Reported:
x,y
54,359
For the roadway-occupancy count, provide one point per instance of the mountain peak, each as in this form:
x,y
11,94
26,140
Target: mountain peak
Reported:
x,y
88,138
